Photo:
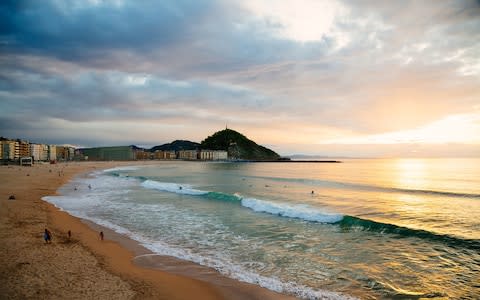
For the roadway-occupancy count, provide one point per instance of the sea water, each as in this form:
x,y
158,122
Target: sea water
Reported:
x,y
403,228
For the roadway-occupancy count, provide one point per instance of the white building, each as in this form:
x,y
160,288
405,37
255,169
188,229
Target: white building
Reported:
x,y
39,152
52,152
220,155
213,155
187,154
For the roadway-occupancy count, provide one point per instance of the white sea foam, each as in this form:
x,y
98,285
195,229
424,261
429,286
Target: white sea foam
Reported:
x,y
226,268
126,168
223,266
86,204
83,195
298,211
173,188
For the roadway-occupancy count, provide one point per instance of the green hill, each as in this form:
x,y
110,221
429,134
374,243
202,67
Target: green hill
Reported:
x,y
238,146
176,146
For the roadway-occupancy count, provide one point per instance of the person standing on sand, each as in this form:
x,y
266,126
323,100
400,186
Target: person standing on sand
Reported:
x,y
101,235
47,236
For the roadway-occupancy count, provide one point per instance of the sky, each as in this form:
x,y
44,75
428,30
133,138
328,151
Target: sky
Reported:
x,y
363,78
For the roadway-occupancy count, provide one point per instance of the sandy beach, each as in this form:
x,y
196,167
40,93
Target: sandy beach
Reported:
x,y
83,266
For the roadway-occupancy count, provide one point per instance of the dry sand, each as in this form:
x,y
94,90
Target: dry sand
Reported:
x,y
84,267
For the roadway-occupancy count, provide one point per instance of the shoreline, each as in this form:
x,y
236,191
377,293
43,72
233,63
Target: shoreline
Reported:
x,y
229,288
262,161
123,276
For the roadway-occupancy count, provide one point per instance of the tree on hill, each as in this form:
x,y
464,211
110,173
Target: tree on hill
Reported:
x,y
238,146
176,146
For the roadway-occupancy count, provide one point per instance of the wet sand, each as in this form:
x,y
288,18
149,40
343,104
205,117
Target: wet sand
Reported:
x,y
83,266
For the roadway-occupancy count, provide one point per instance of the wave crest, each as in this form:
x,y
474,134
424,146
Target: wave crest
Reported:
x,y
173,188
350,222
298,211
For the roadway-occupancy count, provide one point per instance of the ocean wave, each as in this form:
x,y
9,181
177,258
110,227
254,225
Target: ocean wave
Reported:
x,y
296,211
312,214
126,168
219,263
354,223
184,189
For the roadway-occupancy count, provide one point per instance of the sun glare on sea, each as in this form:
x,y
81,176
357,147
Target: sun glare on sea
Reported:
x,y
410,174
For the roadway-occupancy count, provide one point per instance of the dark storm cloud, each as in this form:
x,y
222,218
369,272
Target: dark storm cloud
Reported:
x,y
76,30
193,36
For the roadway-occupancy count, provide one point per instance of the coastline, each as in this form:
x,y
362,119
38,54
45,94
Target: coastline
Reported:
x,y
84,266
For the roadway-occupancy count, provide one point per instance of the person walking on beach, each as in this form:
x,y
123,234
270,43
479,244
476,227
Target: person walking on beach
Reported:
x,y
101,235
69,233
47,236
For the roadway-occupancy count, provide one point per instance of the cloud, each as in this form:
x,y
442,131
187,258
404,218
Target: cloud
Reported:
x,y
76,32
370,67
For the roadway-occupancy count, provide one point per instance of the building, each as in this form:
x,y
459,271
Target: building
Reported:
x,y
188,154
220,155
65,153
10,150
16,150
52,152
39,152
142,154
35,150
159,154
106,153
26,161
4,152
23,149
213,155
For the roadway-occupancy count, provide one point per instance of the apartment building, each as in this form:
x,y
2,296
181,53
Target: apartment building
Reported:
x,y
188,154
39,152
159,154
10,150
65,153
52,152
142,154
212,155
13,150
23,149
